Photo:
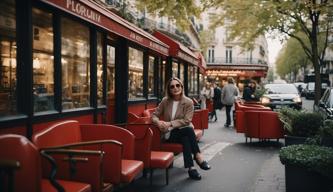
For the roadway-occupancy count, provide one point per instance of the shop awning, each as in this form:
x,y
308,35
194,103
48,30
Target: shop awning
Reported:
x,y
202,62
100,16
177,49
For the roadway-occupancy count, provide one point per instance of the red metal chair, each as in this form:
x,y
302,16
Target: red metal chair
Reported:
x,y
123,168
28,177
143,152
67,134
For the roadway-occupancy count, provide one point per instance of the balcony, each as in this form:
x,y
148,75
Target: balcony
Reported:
x,y
234,61
237,64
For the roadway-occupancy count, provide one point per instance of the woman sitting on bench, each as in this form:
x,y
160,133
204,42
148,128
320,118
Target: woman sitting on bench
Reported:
x,y
176,110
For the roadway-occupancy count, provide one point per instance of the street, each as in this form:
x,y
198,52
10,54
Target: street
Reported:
x,y
236,166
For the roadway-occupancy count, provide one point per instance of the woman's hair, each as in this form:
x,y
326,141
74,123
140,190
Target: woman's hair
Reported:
x,y
167,88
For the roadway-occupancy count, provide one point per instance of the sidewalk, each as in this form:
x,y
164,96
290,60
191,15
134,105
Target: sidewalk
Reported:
x,y
271,177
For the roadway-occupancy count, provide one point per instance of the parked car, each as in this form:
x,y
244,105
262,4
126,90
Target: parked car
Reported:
x,y
325,104
279,95
301,88
310,90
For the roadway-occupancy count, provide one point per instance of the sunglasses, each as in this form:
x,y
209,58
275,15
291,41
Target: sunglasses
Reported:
x,y
173,86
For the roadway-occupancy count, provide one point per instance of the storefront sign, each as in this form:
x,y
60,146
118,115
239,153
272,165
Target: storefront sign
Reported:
x,y
235,73
83,10
187,58
98,15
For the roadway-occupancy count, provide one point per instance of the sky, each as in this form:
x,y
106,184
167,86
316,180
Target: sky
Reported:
x,y
274,46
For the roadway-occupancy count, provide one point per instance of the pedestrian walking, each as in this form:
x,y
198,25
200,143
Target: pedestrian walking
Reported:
x,y
217,102
177,110
229,93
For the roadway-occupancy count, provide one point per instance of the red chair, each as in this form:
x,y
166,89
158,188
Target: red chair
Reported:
x,y
67,134
263,125
28,177
270,125
240,109
157,144
123,168
143,152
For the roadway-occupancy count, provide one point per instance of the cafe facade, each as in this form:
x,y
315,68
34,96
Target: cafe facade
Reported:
x,y
74,59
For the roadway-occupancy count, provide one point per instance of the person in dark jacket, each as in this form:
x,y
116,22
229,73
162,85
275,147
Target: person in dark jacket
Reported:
x,y
217,103
248,94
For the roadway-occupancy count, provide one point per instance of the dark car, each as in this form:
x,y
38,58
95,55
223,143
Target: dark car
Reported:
x,y
280,95
325,106
310,90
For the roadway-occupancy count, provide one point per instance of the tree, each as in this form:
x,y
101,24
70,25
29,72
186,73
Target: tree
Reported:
x,y
291,58
249,19
311,18
175,10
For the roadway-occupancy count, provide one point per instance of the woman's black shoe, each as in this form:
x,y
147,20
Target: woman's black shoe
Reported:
x,y
194,174
203,165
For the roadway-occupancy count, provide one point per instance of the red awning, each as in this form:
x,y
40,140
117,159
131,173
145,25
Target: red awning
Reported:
x,y
177,49
98,15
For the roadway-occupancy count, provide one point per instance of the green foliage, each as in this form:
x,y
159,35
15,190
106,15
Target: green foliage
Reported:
x,y
287,116
327,129
258,93
175,10
312,157
292,57
306,124
300,123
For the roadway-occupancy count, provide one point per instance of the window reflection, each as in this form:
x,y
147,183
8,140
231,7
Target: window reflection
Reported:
x,y
181,72
190,80
135,83
110,71
7,58
43,67
75,64
174,69
151,88
100,100
162,78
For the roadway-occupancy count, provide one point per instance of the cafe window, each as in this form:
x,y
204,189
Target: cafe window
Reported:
x,y
110,71
43,65
162,79
135,83
8,58
174,69
195,80
181,72
100,100
151,88
75,64
190,80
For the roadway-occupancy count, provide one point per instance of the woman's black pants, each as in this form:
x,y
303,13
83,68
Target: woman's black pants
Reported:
x,y
186,137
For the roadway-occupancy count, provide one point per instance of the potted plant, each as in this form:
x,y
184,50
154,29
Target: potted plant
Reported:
x,y
299,125
326,133
308,167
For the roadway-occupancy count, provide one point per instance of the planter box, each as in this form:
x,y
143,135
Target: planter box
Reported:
x,y
300,179
327,141
293,140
